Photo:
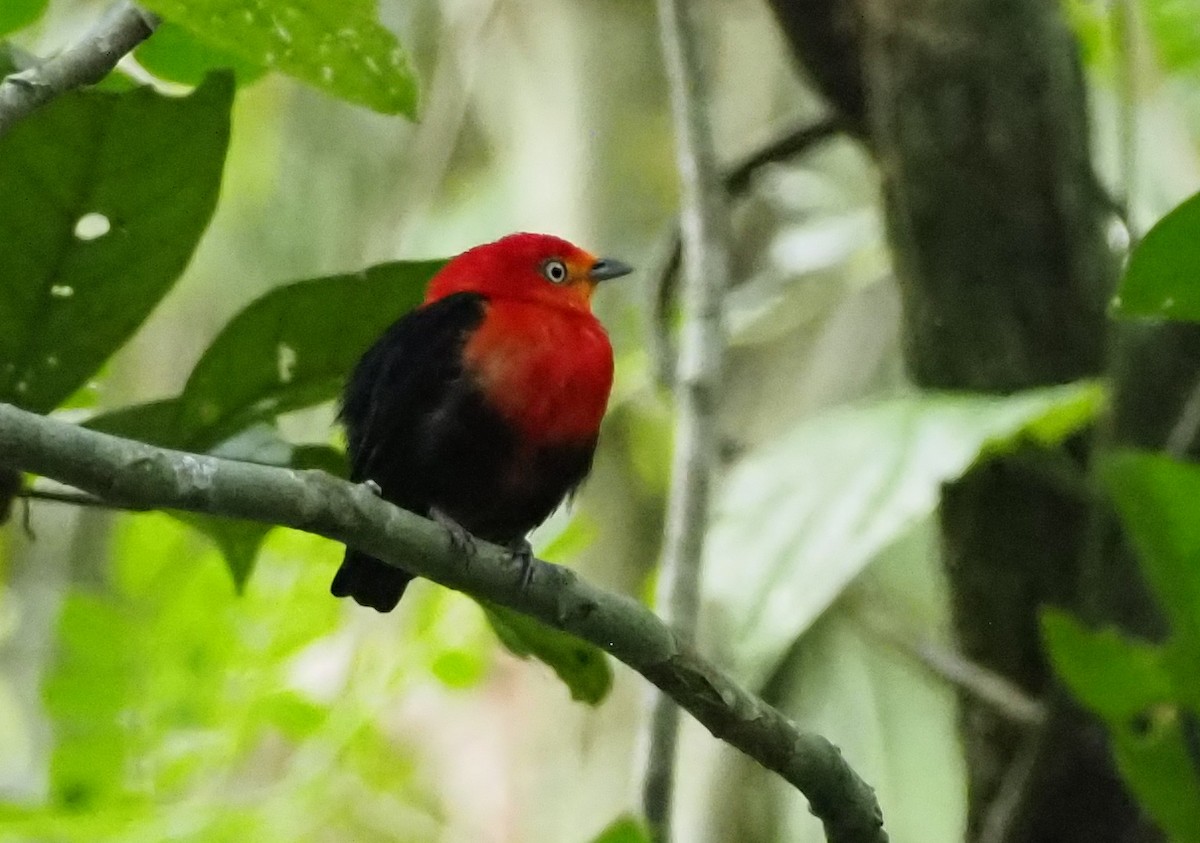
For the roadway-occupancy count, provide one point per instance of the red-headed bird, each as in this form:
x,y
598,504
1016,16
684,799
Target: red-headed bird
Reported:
x,y
481,407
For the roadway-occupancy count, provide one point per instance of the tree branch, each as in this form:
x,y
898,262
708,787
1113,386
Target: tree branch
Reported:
x,y
978,682
704,224
139,475
121,29
665,274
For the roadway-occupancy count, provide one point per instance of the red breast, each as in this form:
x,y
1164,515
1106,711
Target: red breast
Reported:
x,y
546,370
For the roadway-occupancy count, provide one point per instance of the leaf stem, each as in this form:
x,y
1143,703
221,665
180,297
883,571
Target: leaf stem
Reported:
x,y
121,29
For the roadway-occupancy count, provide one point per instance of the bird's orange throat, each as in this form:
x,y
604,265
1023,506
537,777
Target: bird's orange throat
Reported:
x,y
547,370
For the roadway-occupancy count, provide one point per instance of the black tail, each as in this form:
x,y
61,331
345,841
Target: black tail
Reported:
x,y
369,581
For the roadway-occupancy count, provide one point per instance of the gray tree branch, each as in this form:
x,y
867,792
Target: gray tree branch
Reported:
x,y
138,475
121,29
703,223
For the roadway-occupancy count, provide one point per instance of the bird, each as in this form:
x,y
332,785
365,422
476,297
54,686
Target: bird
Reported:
x,y
481,408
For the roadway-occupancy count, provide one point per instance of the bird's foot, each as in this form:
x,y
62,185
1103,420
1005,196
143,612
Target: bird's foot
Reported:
x,y
372,487
521,552
460,537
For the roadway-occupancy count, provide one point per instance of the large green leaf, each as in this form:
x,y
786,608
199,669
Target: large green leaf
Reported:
x,y
153,423
340,48
1116,676
294,347
289,349
176,55
15,14
103,197
1163,277
800,518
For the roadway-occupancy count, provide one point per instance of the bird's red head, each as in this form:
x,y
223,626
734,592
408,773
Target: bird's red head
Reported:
x,y
528,267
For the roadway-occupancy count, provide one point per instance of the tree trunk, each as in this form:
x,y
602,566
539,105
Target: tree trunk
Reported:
x,y
976,112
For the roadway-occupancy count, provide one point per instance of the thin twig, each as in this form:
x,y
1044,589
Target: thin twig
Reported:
x,y
157,478
121,29
986,686
1127,91
1011,796
664,279
1183,433
704,223
75,499
787,144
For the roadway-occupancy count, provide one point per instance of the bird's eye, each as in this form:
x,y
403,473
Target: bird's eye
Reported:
x,y
555,271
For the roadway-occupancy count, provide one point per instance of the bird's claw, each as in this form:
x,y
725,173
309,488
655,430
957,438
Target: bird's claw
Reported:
x,y
521,552
461,539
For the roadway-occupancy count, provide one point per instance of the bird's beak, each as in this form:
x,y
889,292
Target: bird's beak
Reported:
x,y
606,268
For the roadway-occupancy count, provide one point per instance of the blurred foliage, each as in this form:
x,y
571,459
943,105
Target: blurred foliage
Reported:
x,y
16,14
194,685
1149,694
1175,28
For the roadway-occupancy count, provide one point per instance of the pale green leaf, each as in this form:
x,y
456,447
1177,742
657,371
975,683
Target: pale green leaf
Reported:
x,y
798,519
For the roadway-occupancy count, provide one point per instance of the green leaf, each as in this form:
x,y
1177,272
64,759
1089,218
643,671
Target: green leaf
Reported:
x,y
103,198
322,457
340,48
1158,499
1114,675
625,829
174,54
239,541
294,347
798,519
584,668
17,14
1161,279
1126,682
1153,757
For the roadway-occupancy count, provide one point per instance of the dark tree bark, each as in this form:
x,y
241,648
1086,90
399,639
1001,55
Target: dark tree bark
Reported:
x,y
976,113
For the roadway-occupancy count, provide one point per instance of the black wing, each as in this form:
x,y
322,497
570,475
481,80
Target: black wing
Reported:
x,y
401,380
